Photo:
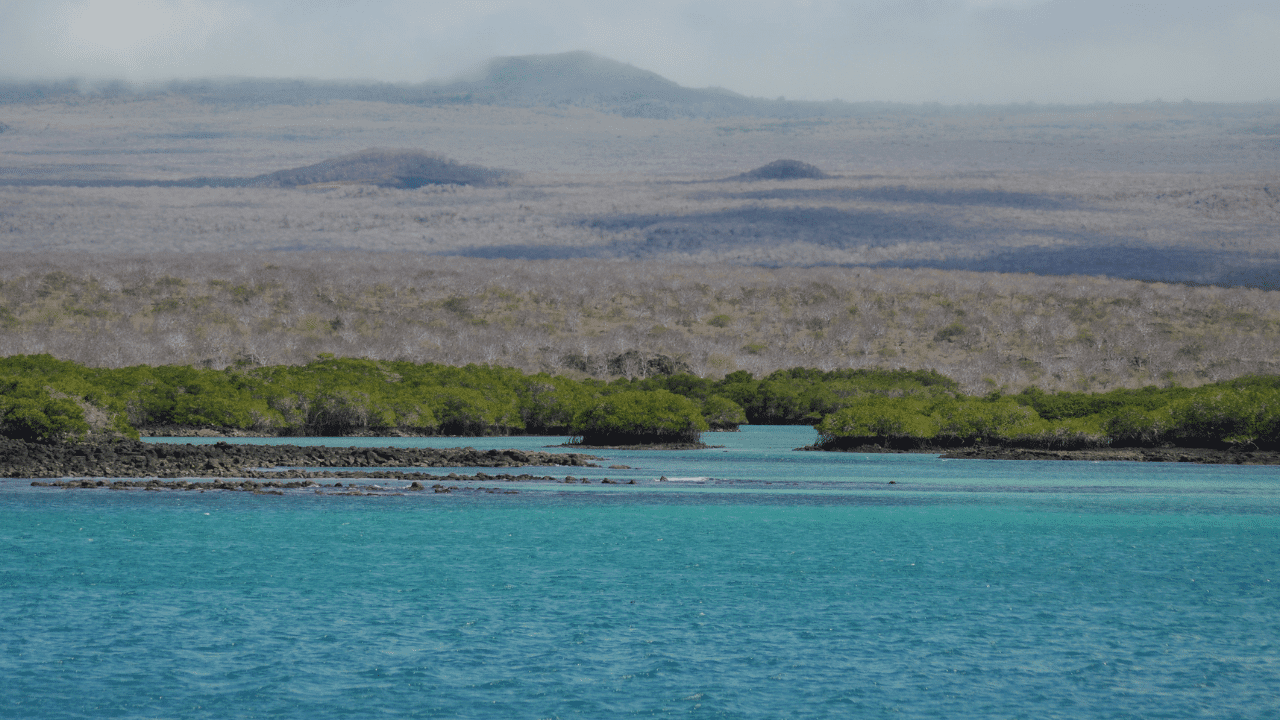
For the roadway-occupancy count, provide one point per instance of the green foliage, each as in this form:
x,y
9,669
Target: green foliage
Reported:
x,y
547,404
1135,427
803,396
28,411
921,419
1247,414
1242,412
984,420
721,413
467,411
879,417
1062,405
44,398
740,387
636,417
690,386
716,399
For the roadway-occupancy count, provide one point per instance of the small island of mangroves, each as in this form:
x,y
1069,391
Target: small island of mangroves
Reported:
x,y
80,410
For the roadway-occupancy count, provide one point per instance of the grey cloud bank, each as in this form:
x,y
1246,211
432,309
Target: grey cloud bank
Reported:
x,y
950,51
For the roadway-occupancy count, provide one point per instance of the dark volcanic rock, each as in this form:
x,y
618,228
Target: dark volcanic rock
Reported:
x,y
130,458
955,449
1161,454
277,483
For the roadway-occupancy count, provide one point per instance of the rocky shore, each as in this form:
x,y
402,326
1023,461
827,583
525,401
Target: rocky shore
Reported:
x,y
276,483
135,459
955,451
1206,456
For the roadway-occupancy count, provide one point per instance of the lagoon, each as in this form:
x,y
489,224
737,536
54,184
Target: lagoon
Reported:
x,y
756,582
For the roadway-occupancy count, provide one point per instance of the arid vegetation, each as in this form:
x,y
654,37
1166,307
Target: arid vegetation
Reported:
x,y
1156,192
633,239
608,319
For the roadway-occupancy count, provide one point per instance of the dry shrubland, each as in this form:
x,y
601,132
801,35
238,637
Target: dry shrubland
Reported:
x,y
1157,227
621,234
1154,193
985,330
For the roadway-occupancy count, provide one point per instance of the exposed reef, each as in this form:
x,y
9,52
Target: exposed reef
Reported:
x,y
953,451
134,459
276,483
1204,456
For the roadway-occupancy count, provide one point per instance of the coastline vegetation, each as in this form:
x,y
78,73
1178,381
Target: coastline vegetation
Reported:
x,y
46,399
640,417
1238,414
42,398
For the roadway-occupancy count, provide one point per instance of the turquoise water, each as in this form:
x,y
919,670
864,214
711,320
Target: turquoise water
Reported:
x,y
756,582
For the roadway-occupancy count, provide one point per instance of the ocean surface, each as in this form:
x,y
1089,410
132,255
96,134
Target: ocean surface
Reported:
x,y
755,582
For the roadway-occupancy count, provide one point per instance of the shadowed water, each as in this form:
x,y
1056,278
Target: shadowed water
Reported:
x,y
754,582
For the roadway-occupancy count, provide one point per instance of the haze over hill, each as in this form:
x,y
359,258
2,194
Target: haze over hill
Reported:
x,y
619,163
949,51
577,79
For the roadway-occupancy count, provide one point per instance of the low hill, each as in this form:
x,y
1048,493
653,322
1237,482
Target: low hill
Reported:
x,y
783,170
587,80
384,168
403,169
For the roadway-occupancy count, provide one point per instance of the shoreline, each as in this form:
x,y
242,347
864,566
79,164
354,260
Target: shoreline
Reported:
x,y
181,431
75,462
1197,455
135,458
1201,456
276,483
186,431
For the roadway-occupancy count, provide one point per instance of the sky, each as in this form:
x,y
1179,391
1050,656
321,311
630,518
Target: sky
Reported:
x,y
947,51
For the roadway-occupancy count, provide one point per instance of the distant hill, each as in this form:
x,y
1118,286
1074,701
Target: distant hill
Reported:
x,y
384,168
783,170
578,79
583,79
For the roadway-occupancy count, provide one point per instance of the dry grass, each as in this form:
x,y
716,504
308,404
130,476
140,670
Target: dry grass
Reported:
x,y
630,242
985,330
1158,192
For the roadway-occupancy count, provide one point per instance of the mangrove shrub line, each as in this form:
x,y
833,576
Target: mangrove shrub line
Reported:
x,y
43,398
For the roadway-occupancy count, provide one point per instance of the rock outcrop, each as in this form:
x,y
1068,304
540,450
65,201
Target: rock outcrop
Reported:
x,y
134,459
